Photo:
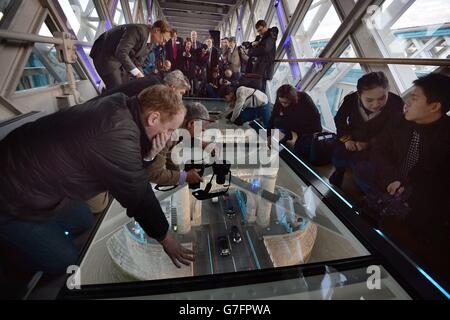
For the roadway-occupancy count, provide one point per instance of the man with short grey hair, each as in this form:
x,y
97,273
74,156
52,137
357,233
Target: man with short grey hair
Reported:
x,y
163,171
177,81
195,43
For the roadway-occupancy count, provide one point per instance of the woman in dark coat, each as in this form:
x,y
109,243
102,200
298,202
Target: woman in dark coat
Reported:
x,y
362,116
295,112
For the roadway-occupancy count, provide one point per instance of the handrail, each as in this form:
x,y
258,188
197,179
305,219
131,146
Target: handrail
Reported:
x,y
406,61
64,43
21,36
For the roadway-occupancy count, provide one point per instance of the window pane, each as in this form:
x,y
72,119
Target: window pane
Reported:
x,y
316,30
261,9
132,6
4,6
292,5
43,68
410,33
82,17
245,18
119,17
283,75
233,25
337,82
276,23
144,10
252,34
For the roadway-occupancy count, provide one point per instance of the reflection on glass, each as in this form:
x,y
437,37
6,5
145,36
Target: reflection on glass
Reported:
x,y
337,82
43,68
410,33
333,285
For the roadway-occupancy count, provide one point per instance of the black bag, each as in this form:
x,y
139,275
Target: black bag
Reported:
x,y
322,148
251,80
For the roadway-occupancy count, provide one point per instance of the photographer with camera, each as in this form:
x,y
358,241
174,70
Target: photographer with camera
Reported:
x,y
162,170
246,104
262,53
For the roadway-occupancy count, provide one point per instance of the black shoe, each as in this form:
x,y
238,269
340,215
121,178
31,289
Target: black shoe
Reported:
x,y
337,178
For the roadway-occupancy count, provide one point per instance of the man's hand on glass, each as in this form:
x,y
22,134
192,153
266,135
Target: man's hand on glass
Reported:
x,y
176,252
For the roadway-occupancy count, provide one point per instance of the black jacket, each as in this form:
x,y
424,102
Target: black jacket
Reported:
x,y
302,118
73,155
349,121
124,45
188,65
264,53
176,63
134,87
428,181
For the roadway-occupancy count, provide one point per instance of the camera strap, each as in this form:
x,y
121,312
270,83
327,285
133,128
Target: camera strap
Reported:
x,y
200,194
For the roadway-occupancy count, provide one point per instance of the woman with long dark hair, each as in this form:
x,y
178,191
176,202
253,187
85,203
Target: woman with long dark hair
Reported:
x,y
295,113
362,116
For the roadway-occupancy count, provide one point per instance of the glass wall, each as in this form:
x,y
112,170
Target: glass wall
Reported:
x,y
275,23
261,9
282,75
401,29
43,68
82,17
234,25
339,80
291,6
119,16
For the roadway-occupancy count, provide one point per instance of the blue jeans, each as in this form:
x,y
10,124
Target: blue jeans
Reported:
x,y
249,114
48,246
212,92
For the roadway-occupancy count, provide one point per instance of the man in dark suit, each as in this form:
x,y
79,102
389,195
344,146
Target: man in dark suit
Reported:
x,y
195,43
174,50
213,58
121,51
